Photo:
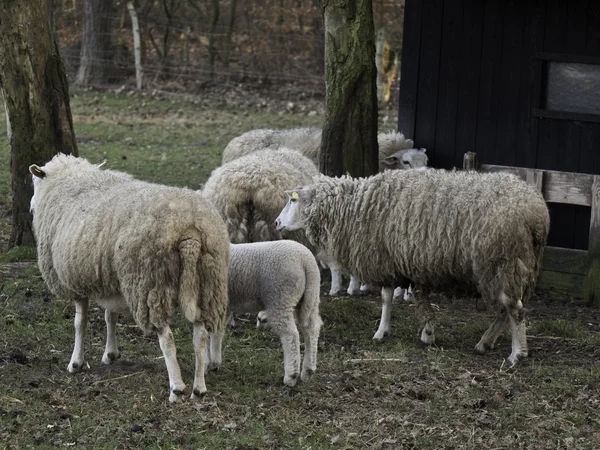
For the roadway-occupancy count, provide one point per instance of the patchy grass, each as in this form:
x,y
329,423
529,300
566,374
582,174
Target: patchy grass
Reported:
x,y
393,394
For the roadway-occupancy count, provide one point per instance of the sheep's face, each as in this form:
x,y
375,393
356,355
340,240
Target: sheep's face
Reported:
x,y
407,159
291,217
37,175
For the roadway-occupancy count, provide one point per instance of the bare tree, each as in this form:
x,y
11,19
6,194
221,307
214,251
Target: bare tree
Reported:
x,y
349,142
36,97
96,48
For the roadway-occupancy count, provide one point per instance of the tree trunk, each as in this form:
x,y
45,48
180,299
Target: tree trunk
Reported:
x,y
35,89
349,142
96,52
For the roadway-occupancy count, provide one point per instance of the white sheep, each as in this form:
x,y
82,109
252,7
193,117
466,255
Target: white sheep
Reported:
x,y
282,279
308,142
131,246
484,231
249,192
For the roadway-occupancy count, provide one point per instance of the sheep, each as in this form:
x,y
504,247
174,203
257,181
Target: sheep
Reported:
x,y
280,279
308,142
131,246
249,192
486,231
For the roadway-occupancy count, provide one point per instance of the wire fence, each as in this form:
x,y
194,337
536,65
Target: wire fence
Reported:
x,y
187,45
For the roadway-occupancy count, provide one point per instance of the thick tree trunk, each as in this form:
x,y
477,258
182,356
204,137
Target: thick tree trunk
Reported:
x,y
35,90
94,63
349,142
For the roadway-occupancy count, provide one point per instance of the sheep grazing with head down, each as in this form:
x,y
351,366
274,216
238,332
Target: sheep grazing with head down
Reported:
x,y
485,231
280,279
249,192
395,151
131,246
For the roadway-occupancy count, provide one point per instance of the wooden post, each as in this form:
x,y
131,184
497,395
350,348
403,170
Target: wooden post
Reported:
x,y
136,45
592,279
535,178
470,161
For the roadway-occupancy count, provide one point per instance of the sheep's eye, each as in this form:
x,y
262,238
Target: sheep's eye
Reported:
x,y
293,200
407,163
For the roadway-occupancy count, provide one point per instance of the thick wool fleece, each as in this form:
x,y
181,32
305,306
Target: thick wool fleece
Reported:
x,y
482,230
249,192
280,276
100,233
304,140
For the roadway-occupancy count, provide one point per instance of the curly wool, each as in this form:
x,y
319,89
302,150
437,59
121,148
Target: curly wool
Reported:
x,y
249,192
279,276
306,141
485,231
100,233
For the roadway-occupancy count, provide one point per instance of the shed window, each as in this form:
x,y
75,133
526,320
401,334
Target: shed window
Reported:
x,y
573,87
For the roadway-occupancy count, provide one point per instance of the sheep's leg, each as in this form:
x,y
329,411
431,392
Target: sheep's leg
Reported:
x,y
336,279
167,345
489,338
311,342
354,286
200,343
386,313
81,319
111,351
519,338
216,344
285,327
427,316
399,292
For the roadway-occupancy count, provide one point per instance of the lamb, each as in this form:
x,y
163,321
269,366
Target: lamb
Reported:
x,y
484,231
282,279
395,151
131,246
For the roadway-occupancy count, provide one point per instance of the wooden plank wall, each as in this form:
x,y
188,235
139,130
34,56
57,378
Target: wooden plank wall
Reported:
x,y
470,78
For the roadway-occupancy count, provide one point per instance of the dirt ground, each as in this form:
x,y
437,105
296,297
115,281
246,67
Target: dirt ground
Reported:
x,y
364,395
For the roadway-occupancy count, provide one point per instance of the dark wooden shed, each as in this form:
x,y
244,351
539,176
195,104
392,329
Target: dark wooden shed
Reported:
x,y
517,82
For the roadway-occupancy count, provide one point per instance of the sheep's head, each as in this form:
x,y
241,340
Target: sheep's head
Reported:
x,y
291,218
413,158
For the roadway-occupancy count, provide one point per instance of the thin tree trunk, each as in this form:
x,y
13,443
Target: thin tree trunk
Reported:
x,y
36,95
228,42
136,44
212,48
349,143
95,58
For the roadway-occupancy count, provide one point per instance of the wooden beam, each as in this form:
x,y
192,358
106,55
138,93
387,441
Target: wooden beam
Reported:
x,y
470,161
595,219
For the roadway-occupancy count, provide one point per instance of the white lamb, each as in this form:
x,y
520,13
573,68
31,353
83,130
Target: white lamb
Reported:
x,y
131,246
482,231
282,279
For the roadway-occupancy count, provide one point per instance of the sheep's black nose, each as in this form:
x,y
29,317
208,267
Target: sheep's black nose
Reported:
x,y
277,222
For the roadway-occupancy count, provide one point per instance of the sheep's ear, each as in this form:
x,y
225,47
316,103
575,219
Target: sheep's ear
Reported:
x,y
300,193
423,150
35,170
390,160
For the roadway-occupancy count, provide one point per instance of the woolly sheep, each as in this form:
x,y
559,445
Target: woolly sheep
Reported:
x,y
486,231
308,142
131,246
282,278
249,192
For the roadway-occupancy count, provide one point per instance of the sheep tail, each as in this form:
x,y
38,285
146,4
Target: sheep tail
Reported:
x,y
203,284
308,308
189,280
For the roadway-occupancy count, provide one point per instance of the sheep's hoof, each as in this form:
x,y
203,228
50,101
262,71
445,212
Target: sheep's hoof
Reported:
x,y
198,394
381,335
109,358
213,366
74,367
290,380
427,337
482,347
175,395
307,375
510,362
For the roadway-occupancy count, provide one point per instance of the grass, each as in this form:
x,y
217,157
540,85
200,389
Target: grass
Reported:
x,y
393,394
